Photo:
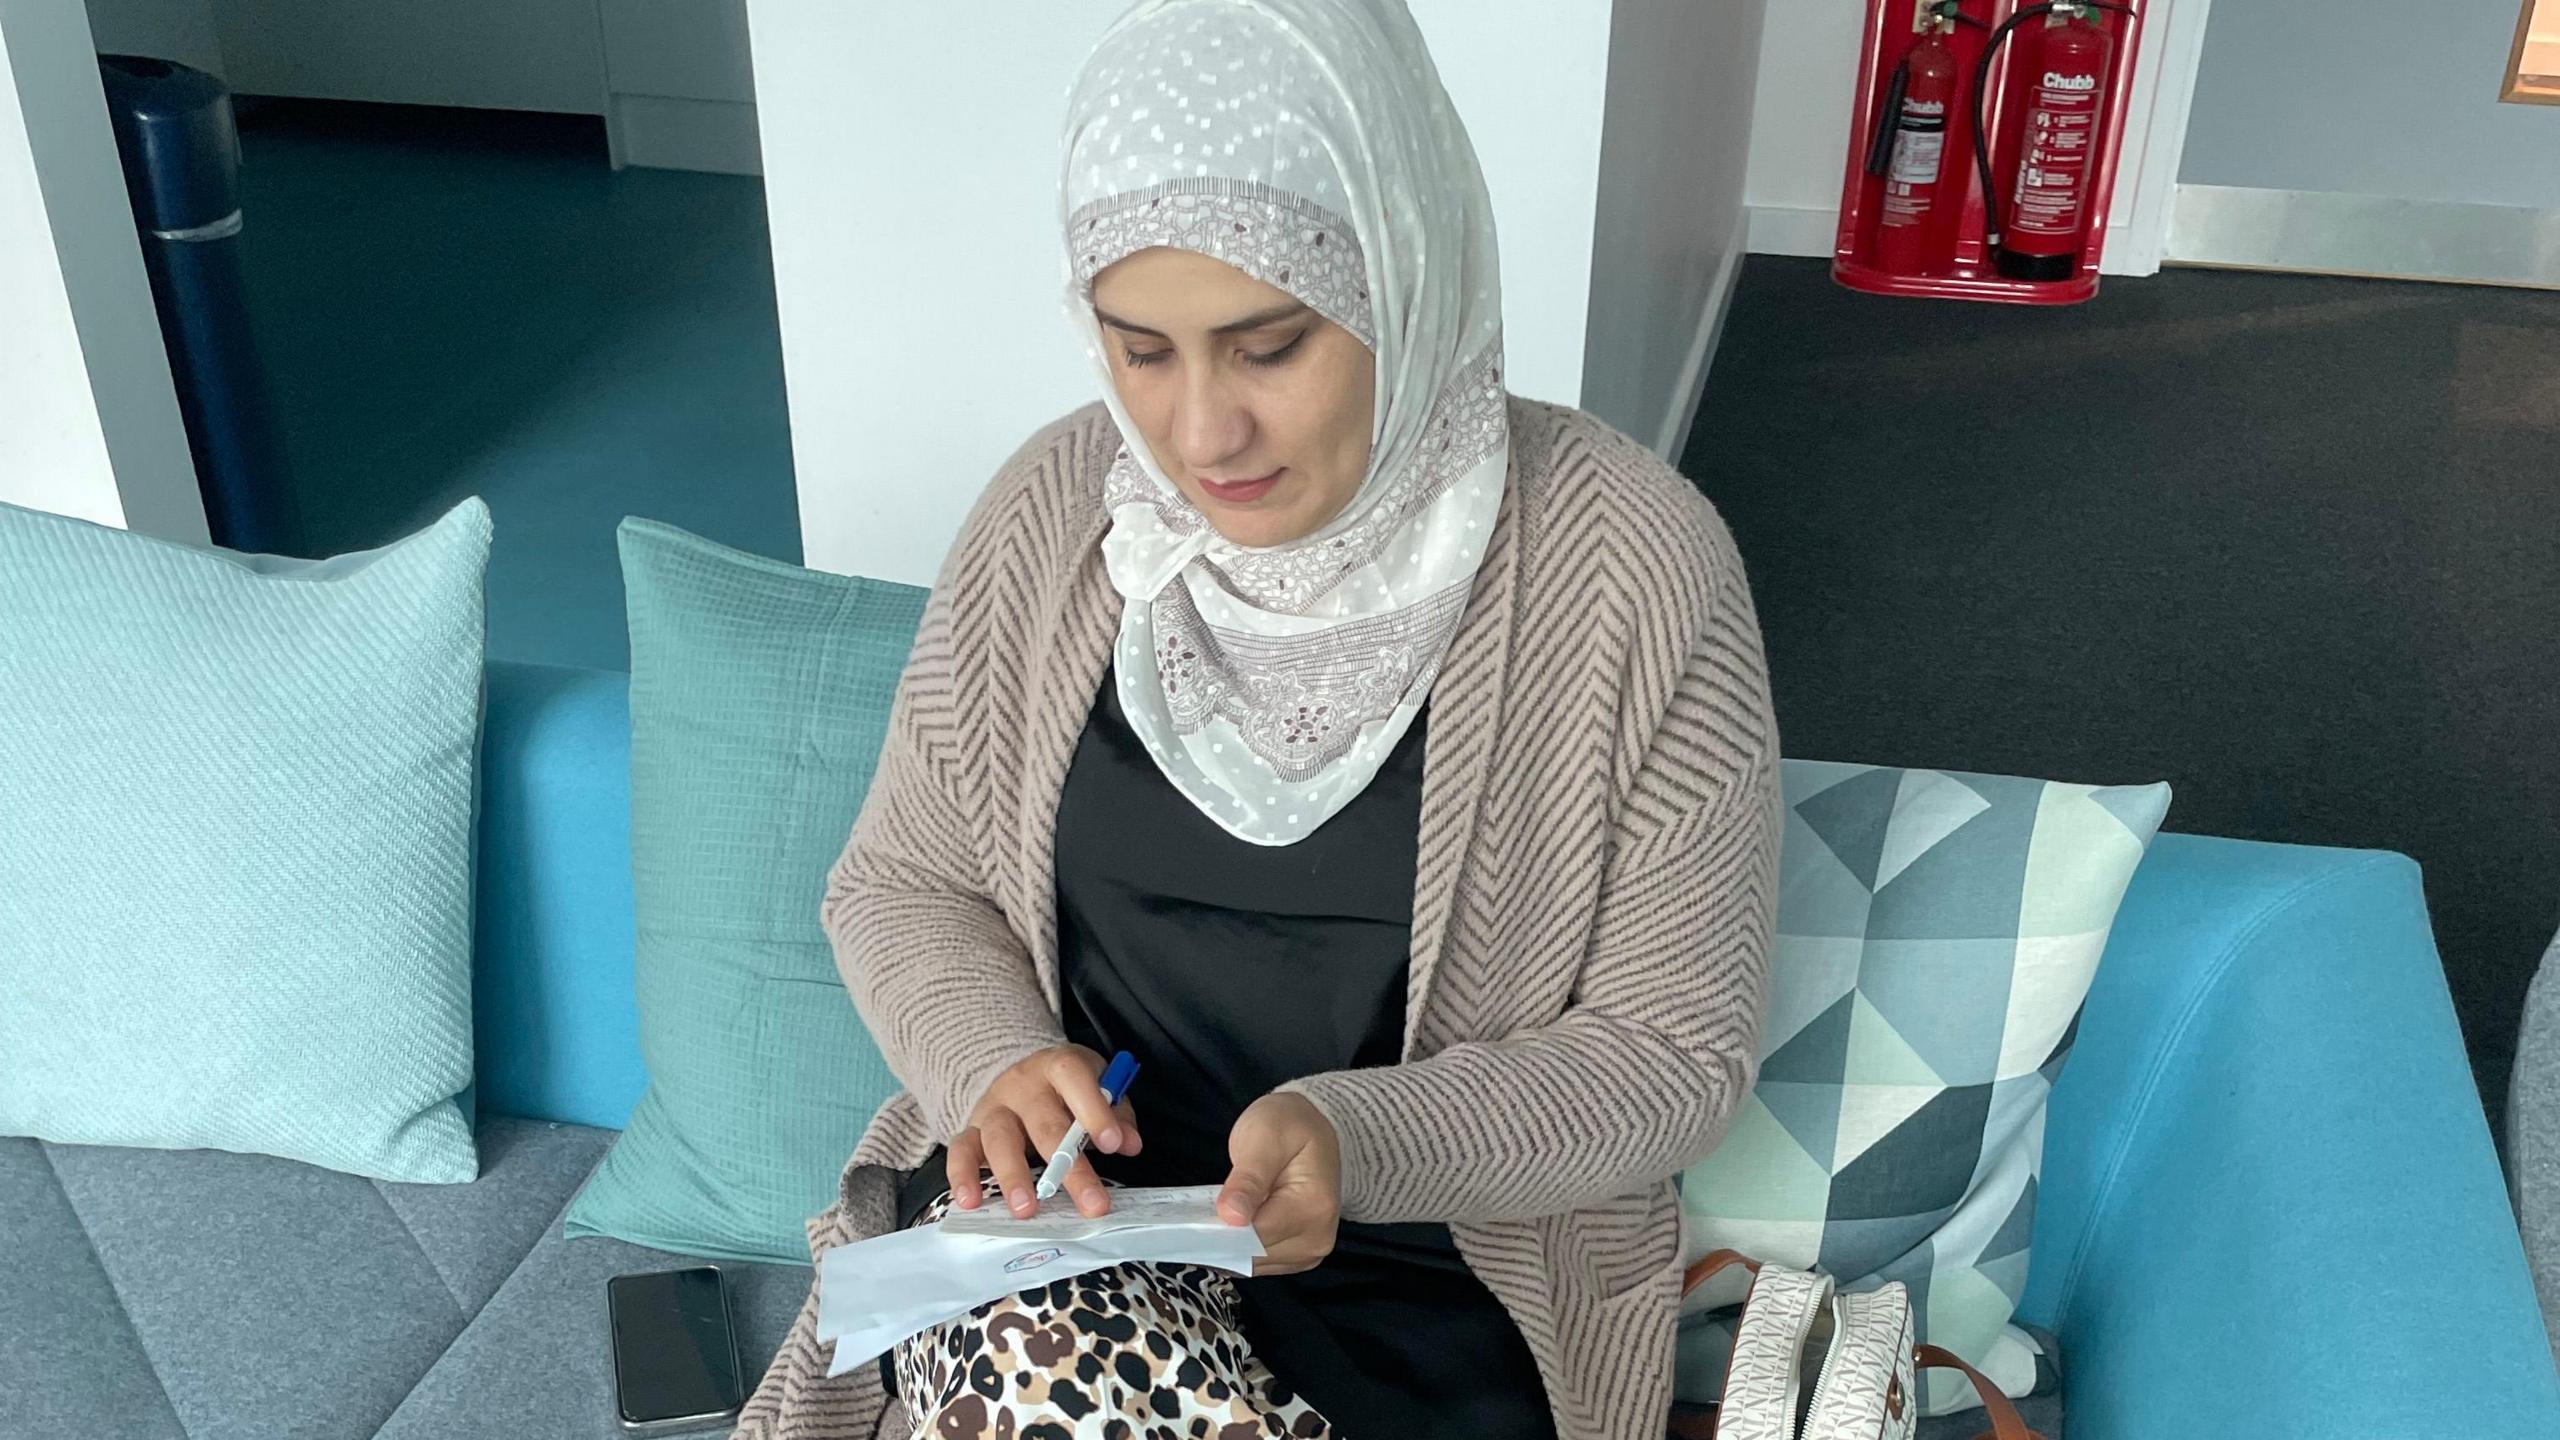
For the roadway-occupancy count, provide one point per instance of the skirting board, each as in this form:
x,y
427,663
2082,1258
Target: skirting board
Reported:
x,y
2325,232
667,132
1682,412
1804,230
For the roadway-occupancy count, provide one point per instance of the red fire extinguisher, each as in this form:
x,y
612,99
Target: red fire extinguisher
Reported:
x,y
2040,238
1918,108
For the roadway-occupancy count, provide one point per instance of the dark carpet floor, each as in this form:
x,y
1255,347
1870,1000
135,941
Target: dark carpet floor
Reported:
x,y
457,302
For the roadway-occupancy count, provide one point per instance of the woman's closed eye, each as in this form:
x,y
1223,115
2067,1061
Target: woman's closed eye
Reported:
x,y
1274,357
1268,357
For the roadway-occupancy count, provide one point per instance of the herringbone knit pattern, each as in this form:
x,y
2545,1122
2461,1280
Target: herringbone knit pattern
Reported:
x,y
1593,903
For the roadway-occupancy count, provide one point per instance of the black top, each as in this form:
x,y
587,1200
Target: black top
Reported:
x,y
1228,969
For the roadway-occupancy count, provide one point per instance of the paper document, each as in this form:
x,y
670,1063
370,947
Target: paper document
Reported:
x,y
1059,1219
874,1293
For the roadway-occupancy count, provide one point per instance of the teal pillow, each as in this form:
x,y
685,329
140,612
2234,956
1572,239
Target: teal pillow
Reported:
x,y
1936,934
759,695
235,844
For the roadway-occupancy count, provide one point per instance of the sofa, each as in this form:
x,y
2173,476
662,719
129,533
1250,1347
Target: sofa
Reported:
x,y
2270,1206
2533,1133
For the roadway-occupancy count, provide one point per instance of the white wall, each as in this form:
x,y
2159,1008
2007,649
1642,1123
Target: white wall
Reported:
x,y
1800,125
1528,77
922,333
1669,229
679,89
88,417
499,54
2370,100
670,77
179,30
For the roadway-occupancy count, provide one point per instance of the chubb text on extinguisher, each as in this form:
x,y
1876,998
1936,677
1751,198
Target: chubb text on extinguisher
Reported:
x,y
2056,80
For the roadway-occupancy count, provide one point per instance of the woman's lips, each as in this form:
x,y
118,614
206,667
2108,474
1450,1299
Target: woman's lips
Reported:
x,y
1242,491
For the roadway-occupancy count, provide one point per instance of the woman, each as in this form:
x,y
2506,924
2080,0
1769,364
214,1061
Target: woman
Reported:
x,y
1384,760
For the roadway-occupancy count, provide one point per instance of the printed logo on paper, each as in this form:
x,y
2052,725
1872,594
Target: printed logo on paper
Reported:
x,y
1031,1260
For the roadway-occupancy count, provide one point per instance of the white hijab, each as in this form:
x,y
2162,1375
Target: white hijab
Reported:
x,y
1308,143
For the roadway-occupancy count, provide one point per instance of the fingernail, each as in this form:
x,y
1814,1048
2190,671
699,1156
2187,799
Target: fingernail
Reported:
x,y
1111,1139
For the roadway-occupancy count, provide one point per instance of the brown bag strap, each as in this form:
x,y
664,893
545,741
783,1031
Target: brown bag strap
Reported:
x,y
1701,1424
1714,1263
2005,1421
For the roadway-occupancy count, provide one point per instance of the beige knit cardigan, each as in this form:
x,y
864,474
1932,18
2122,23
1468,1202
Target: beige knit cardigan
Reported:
x,y
1593,900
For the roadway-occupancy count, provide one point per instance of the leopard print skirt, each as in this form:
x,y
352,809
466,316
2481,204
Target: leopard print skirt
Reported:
x,y
1136,1352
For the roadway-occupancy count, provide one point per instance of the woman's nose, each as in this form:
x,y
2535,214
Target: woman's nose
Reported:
x,y
1210,425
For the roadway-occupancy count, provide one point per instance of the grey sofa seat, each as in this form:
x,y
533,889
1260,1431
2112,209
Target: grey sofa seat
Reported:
x,y
202,1295
2533,1136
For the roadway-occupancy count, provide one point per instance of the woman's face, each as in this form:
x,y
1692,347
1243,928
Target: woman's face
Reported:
x,y
1257,408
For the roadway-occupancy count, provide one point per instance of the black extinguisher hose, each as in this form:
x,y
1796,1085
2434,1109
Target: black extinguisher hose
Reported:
x,y
1992,224
1888,115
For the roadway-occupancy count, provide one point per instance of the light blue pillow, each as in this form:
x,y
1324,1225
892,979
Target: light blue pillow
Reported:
x,y
1936,934
235,844
759,696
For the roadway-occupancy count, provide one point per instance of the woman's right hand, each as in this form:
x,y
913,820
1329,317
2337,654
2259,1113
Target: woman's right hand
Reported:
x,y
1017,1125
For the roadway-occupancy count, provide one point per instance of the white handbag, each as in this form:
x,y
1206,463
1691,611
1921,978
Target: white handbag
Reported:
x,y
1813,1363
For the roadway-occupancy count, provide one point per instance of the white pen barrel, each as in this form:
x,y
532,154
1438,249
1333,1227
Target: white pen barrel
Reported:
x,y
1061,1162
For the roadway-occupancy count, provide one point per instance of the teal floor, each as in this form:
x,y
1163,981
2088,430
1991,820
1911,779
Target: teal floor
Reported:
x,y
451,303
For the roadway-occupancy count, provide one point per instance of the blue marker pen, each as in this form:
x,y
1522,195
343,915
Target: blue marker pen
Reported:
x,y
1115,1083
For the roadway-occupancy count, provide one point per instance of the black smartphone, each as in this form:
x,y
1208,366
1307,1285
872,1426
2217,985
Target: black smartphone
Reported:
x,y
675,1355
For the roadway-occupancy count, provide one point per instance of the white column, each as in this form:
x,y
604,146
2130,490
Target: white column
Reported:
x,y
88,417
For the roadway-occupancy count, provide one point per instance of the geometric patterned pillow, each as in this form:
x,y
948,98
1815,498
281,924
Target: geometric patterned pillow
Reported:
x,y
1936,934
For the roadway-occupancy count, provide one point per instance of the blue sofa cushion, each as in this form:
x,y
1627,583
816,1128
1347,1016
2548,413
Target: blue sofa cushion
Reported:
x,y
759,695
2533,1135
555,1023
2269,1203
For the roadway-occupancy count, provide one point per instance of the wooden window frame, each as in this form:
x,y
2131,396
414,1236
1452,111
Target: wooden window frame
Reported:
x,y
2517,86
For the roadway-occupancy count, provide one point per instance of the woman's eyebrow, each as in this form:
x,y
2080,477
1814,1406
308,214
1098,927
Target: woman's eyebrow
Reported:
x,y
1256,321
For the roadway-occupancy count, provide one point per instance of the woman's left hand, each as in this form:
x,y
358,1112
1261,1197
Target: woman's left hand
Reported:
x,y
1287,1182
